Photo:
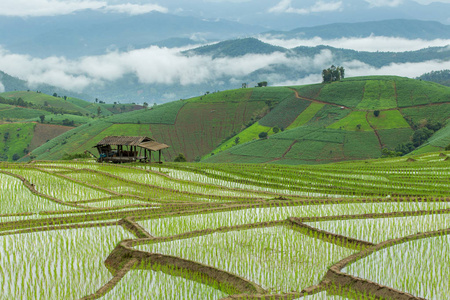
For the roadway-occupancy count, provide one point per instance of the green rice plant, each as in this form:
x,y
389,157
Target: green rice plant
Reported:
x,y
418,267
277,258
142,284
16,198
167,226
57,187
64,264
379,230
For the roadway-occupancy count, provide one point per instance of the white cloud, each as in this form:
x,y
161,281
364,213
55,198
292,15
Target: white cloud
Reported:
x,y
27,8
432,1
285,6
371,44
155,65
135,9
411,70
380,3
2,87
310,79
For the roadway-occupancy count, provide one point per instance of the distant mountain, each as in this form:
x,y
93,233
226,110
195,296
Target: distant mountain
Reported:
x,y
441,77
408,29
130,89
235,48
258,12
92,33
11,83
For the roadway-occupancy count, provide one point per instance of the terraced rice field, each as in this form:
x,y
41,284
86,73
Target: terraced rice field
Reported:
x,y
375,229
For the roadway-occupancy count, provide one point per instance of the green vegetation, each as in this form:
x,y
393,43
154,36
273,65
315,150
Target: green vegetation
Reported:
x,y
306,115
389,119
209,127
15,140
355,121
81,229
378,94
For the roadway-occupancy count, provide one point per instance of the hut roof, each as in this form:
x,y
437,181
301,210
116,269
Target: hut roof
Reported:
x,y
124,140
154,146
140,141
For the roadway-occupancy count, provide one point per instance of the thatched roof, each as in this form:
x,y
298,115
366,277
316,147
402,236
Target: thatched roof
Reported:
x,y
154,146
140,141
124,140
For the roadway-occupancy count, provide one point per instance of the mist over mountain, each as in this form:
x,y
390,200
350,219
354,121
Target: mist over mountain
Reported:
x,y
93,33
135,51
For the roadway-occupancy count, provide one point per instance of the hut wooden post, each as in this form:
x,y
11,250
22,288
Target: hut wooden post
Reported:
x,y
159,156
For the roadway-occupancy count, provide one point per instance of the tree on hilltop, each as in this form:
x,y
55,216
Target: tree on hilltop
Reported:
x,y
333,74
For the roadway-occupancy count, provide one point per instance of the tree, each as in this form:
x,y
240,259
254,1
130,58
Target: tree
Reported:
x,y
421,135
55,95
275,129
376,113
237,140
42,117
263,135
180,158
333,74
262,84
15,157
99,111
145,105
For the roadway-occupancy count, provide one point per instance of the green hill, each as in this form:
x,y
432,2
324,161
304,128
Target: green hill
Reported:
x,y
30,119
352,119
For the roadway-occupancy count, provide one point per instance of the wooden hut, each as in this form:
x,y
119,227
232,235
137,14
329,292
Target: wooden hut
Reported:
x,y
119,149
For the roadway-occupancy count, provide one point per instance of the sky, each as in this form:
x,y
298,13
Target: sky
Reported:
x,y
156,65
30,8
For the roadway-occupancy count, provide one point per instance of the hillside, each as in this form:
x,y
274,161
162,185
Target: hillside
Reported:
x,y
306,124
29,119
337,122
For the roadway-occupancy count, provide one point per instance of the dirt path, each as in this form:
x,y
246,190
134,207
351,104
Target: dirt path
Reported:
x,y
318,101
375,131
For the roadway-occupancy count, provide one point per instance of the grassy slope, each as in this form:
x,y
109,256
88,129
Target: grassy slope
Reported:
x,y
320,125
346,128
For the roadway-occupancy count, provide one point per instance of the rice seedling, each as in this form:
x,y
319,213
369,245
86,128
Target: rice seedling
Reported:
x,y
277,258
379,230
418,267
63,264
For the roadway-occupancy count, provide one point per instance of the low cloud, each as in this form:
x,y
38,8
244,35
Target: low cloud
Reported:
x,y
285,6
135,9
411,70
2,87
155,65
371,43
381,3
35,8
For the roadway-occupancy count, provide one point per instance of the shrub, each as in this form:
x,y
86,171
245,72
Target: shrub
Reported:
x,y
263,135
180,158
376,113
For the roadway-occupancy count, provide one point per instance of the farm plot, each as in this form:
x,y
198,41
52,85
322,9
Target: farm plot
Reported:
x,y
180,224
16,198
64,264
57,187
379,230
418,267
147,284
277,258
81,230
